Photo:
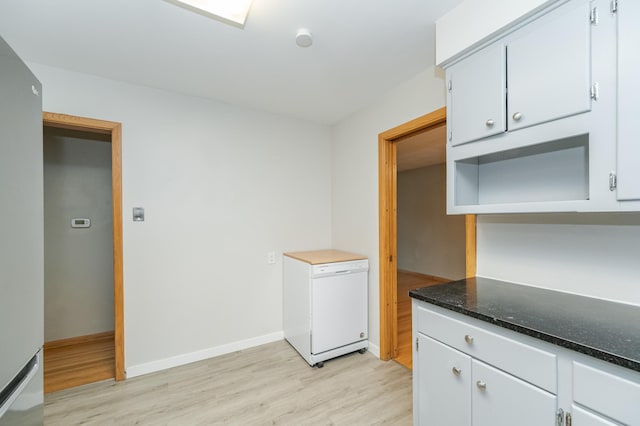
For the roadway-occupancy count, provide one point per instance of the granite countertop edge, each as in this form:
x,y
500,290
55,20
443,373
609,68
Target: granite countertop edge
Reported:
x,y
544,336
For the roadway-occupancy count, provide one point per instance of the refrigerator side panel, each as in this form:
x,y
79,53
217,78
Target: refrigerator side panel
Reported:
x,y
26,405
21,216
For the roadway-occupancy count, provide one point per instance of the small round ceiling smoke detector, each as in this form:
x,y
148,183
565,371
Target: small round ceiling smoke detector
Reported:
x,y
303,38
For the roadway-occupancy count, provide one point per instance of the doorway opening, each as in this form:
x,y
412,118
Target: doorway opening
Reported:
x,y
84,143
395,316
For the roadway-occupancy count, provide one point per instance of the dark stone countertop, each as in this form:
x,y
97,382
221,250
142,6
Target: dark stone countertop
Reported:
x,y
602,329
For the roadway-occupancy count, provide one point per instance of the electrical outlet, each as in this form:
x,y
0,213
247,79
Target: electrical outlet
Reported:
x,y
271,257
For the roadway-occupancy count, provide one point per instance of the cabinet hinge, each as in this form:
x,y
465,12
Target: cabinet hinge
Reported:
x,y
593,16
390,258
614,7
417,345
613,181
450,136
594,92
560,417
449,86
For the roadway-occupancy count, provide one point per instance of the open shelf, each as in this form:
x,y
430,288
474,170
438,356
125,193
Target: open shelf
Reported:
x,y
552,171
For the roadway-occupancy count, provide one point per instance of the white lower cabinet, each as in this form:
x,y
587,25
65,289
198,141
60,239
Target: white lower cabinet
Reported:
x,y
456,390
444,385
467,372
500,399
581,417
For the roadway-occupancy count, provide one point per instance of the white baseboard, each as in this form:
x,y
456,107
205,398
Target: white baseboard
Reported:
x,y
374,349
175,361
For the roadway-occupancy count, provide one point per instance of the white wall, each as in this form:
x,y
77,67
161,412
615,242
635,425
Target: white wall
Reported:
x,y
221,186
429,241
473,20
590,254
355,173
78,262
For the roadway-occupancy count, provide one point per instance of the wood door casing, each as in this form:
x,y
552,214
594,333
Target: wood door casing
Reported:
x,y
65,121
388,226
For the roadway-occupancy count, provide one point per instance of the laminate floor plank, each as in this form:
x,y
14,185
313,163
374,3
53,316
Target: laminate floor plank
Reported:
x,y
266,385
408,281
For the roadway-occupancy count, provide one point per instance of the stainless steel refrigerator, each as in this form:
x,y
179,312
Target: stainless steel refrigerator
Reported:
x,y
21,243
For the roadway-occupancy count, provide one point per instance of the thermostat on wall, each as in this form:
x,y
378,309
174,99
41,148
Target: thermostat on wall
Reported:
x,y
80,222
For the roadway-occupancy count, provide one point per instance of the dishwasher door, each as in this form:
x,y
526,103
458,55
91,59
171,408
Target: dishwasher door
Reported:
x,y
338,310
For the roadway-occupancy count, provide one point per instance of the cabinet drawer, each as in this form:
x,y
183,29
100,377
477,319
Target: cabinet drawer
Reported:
x,y
608,394
527,362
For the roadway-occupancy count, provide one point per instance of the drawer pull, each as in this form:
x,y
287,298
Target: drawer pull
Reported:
x,y
468,339
481,385
456,371
517,116
489,123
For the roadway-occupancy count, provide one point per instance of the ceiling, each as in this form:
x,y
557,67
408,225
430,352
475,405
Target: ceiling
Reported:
x,y
361,49
423,149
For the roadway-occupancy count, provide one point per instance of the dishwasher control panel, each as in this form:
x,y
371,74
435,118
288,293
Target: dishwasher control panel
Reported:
x,y
340,268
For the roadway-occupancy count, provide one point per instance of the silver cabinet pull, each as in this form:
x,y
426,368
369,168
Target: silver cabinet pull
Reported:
x,y
481,385
456,371
517,116
468,339
489,123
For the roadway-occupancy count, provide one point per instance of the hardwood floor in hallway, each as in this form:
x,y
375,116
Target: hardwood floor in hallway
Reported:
x,y
266,385
407,281
78,361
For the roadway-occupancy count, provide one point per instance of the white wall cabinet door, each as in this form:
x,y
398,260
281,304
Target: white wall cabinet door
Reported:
x,y
582,417
500,399
549,68
628,95
443,388
476,100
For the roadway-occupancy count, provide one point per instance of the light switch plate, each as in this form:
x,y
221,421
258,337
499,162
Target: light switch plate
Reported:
x,y
138,214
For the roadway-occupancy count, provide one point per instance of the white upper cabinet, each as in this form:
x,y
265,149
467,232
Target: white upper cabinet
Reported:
x,y
549,68
542,117
628,182
476,96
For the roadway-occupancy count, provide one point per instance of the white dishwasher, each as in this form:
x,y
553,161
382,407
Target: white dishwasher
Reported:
x,y
325,303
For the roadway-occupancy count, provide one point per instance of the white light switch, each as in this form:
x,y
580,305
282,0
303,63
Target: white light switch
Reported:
x,y
138,214
271,257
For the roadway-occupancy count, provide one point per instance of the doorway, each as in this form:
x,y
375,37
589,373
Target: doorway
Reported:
x,y
62,366
388,201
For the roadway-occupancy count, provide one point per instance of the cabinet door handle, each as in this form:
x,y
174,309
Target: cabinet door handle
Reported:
x,y
489,123
517,116
468,339
456,371
481,385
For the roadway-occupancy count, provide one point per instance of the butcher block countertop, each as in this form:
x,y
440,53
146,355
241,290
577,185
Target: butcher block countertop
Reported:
x,y
316,257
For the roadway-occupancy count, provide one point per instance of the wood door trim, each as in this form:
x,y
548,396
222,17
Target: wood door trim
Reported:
x,y
388,226
65,121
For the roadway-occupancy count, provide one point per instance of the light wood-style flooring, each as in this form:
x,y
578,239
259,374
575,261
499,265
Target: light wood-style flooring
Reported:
x,y
408,281
265,385
78,361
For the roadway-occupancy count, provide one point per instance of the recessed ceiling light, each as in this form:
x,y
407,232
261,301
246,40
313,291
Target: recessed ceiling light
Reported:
x,y
232,12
